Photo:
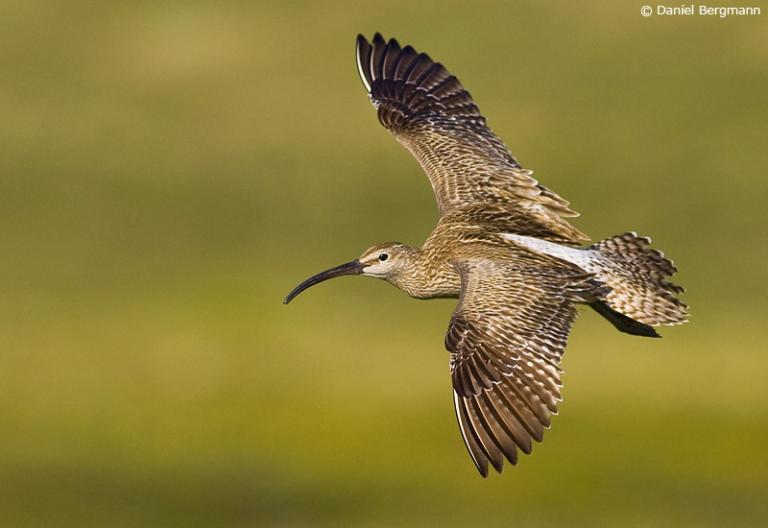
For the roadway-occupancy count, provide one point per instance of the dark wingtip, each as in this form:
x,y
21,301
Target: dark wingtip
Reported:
x,y
481,468
622,322
643,331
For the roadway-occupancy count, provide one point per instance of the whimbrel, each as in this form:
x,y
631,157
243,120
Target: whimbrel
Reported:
x,y
503,247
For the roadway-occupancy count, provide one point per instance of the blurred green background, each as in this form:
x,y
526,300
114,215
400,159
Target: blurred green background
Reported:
x,y
170,170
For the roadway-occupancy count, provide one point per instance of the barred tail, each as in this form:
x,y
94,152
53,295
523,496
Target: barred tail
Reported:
x,y
638,277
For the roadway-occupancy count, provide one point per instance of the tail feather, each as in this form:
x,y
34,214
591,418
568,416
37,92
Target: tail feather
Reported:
x,y
637,275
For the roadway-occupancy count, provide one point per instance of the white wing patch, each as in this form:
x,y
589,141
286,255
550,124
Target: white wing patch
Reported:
x,y
586,259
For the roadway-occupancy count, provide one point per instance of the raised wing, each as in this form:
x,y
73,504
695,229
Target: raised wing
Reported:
x,y
435,118
506,339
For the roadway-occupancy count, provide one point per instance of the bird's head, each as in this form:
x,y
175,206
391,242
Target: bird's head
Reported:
x,y
384,261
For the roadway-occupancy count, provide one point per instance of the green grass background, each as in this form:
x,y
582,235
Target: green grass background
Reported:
x,y
170,170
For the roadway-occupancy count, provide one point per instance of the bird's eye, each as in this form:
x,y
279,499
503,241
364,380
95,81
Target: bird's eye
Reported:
x,y
383,257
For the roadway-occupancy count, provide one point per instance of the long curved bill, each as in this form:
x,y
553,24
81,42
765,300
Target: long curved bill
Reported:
x,y
350,268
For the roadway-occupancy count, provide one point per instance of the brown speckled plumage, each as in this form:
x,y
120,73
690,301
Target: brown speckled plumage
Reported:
x,y
503,246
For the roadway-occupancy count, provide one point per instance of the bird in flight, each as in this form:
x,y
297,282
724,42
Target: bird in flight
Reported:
x,y
504,248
